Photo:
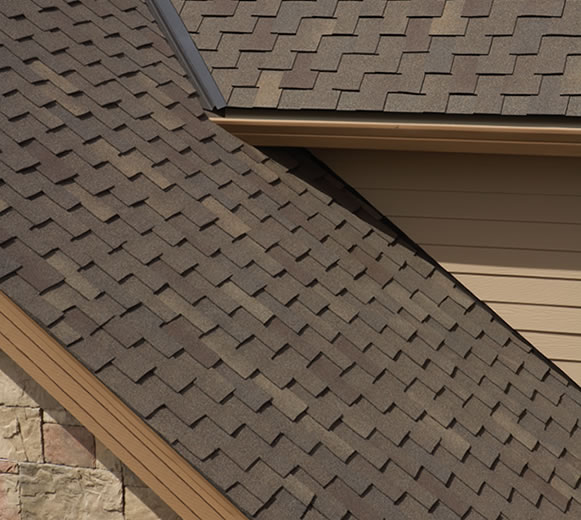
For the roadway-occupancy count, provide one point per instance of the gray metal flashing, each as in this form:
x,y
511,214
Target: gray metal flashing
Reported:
x,y
188,54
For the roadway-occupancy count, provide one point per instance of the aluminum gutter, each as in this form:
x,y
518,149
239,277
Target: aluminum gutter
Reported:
x,y
187,53
526,139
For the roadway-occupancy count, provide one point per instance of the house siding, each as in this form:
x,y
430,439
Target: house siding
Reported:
x,y
52,467
508,227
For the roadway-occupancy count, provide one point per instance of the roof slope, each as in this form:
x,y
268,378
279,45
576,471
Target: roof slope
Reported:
x,y
279,334
509,57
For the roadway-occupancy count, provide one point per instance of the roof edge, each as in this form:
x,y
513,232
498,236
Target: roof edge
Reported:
x,y
427,256
187,52
111,421
471,137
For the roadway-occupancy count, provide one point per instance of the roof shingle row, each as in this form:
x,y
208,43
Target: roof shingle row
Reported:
x,y
268,323
504,57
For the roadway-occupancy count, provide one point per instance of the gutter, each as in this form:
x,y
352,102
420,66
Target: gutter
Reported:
x,y
469,137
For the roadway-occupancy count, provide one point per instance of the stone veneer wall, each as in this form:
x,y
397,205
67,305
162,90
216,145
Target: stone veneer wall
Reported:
x,y
53,468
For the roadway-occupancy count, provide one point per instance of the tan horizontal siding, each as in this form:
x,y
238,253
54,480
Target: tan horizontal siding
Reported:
x,y
498,234
540,318
508,227
515,207
508,262
539,291
456,172
564,347
572,368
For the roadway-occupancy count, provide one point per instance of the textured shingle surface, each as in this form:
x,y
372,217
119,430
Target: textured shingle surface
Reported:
x,y
501,57
281,336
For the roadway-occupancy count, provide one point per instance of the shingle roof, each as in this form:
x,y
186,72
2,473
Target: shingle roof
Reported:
x,y
509,57
281,335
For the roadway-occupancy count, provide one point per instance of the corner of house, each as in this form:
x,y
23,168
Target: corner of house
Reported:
x,y
52,467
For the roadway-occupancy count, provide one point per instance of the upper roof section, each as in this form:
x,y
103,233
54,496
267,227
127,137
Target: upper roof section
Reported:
x,y
501,57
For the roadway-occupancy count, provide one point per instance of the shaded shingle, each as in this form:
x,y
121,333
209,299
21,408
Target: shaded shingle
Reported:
x,y
290,344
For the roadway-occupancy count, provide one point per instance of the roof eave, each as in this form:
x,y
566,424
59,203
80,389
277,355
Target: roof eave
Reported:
x,y
110,420
557,139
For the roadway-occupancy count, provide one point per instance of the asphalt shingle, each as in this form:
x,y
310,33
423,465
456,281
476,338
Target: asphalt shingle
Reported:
x,y
381,55
271,326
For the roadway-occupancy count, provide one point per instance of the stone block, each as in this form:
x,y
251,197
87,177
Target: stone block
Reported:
x,y
49,491
131,479
68,445
19,389
105,459
60,416
8,466
143,504
20,435
9,500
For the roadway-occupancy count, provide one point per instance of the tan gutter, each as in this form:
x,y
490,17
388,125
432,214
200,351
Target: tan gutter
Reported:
x,y
158,465
388,135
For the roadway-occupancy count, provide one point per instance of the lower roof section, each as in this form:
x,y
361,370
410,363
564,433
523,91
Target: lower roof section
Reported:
x,y
273,328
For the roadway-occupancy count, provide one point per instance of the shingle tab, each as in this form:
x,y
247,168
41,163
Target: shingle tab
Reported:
x,y
393,55
310,363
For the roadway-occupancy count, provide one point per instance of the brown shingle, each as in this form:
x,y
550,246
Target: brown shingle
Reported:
x,y
304,358
302,56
